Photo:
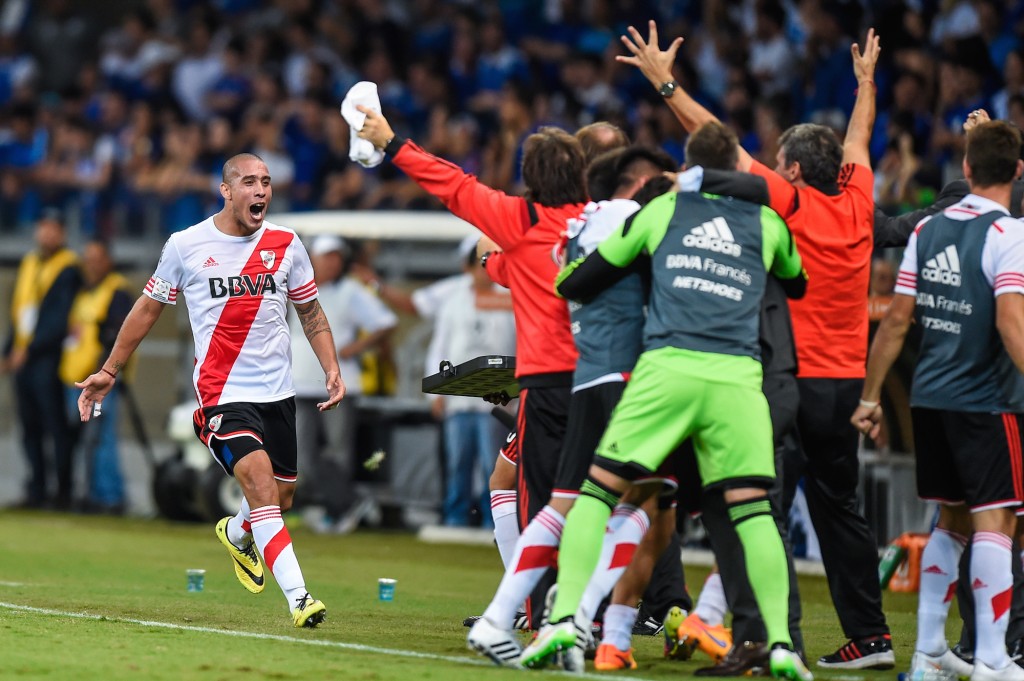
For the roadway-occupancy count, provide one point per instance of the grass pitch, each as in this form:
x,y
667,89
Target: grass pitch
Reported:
x,y
100,598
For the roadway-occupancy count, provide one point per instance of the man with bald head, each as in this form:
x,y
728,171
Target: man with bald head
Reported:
x,y
237,272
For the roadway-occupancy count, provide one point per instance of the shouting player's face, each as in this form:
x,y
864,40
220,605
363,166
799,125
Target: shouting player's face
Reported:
x,y
249,194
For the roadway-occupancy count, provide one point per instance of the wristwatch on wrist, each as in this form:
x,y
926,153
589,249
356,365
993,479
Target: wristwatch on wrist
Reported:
x,y
668,89
483,259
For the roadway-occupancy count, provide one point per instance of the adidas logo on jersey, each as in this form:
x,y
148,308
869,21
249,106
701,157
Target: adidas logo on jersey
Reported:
x,y
944,268
210,262
714,236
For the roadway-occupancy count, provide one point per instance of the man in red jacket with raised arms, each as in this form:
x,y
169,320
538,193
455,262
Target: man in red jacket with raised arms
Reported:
x,y
525,228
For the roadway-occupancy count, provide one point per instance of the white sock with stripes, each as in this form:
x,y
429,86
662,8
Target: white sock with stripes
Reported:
x,y
940,566
506,524
535,553
239,529
626,527
992,584
275,545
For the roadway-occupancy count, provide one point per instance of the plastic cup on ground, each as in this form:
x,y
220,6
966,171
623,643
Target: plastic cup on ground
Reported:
x,y
386,589
195,579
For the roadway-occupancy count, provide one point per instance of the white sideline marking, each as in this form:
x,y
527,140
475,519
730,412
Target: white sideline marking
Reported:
x,y
291,639
12,584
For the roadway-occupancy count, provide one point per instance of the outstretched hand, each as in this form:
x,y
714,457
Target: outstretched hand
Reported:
x,y
376,128
864,61
335,391
653,62
94,389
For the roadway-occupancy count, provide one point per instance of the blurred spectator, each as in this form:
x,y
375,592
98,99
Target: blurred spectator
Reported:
x,y
96,316
996,31
18,70
830,25
22,149
231,91
130,51
883,277
474,320
327,439
47,282
198,70
77,170
1013,84
772,58
60,40
177,181
955,19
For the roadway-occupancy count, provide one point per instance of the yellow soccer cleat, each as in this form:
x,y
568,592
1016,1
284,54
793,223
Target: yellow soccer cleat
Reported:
x,y
715,641
609,658
309,612
248,568
674,648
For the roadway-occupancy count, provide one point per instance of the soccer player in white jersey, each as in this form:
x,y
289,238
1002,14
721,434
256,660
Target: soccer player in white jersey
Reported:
x,y
237,271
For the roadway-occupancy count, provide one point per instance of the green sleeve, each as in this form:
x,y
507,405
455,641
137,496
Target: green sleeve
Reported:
x,y
642,231
780,255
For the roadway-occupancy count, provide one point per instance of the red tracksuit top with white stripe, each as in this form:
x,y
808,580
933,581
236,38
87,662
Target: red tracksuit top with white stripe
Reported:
x,y
526,233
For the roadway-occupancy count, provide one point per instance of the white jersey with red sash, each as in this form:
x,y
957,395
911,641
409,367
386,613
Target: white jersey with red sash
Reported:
x,y
236,289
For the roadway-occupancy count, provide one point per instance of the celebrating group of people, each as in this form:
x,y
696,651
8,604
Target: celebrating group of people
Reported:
x,y
694,337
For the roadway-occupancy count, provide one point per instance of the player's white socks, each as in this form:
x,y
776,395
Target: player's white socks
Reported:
x,y
618,626
239,529
992,584
711,605
535,552
506,524
940,563
275,545
626,527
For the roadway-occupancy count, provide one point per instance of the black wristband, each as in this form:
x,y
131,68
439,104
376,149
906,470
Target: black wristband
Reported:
x,y
394,145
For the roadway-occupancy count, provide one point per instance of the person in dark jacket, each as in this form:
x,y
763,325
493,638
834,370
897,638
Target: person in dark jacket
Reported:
x,y
48,279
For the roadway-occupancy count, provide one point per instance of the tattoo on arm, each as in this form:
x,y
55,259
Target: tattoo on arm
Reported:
x,y
118,365
313,320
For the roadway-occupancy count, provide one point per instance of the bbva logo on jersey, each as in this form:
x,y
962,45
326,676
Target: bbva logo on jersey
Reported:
x,y
243,285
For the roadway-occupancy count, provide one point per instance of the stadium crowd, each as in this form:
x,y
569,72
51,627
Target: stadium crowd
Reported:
x,y
129,124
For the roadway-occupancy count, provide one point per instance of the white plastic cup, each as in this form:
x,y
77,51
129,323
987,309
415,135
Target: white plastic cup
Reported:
x,y
195,580
386,589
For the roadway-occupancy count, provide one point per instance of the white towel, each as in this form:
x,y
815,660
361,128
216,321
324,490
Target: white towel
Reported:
x,y
690,179
359,150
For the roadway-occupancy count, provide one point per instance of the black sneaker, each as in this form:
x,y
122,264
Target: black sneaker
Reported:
x,y
874,652
521,622
647,625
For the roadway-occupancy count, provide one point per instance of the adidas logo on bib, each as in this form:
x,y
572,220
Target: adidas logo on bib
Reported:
x,y
714,236
944,268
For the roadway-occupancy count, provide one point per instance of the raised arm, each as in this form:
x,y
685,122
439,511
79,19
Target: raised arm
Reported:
x,y
656,65
136,325
862,119
503,218
318,333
